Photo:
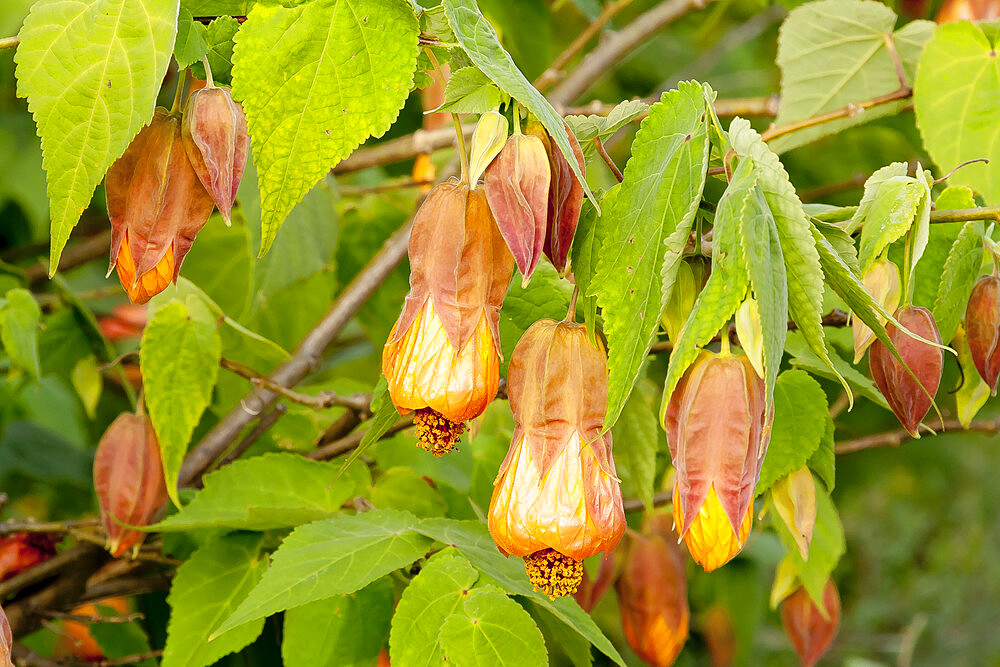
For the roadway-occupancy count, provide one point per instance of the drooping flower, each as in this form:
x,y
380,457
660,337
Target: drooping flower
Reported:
x,y
882,281
717,428
556,499
442,356
982,327
811,630
157,206
652,593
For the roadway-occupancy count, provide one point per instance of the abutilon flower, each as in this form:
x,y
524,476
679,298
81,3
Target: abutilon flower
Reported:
x,y
23,551
982,327
556,499
881,280
652,593
128,479
442,356
157,206
6,641
215,138
810,630
717,428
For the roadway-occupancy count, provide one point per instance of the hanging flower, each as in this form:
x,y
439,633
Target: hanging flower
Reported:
x,y
717,431
556,499
442,356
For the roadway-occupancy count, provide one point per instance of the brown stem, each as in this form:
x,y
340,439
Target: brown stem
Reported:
x,y
659,500
897,437
358,191
613,50
321,401
890,46
607,159
8,527
347,443
77,255
265,423
554,72
848,111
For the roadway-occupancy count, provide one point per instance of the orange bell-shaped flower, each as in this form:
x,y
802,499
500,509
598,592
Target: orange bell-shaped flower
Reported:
x,y
652,593
442,356
556,499
717,429
157,206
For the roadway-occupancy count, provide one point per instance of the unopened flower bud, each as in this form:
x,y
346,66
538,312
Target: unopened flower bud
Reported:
x,y
157,206
717,429
442,356
720,635
128,478
565,196
591,590
556,499
652,593
882,283
973,393
811,629
692,273
909,397
982,327
750,333
794,498
216,140
487,141
517,188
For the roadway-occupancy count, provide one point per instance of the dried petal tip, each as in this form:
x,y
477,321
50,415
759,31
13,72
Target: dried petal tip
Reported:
x,y
435,433
553,573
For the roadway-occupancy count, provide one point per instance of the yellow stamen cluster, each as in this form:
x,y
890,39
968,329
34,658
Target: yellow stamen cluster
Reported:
x,y
435,433
553,573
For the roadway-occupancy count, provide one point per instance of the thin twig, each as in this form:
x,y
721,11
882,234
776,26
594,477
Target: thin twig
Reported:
x,y
92,618
321,401
897,437
347,443
965,214
358,191
77,255
890,46
554,72
613,50
607,159
835,318
30,526
848,111
9,42
659,500
266,422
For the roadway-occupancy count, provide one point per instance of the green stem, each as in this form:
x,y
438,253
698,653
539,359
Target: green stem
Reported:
x,y
179,93
9,42
907,254
208,73
516,108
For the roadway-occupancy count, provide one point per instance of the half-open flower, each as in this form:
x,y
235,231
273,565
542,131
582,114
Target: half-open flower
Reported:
x,y
442,356
556,499
717,429
157,206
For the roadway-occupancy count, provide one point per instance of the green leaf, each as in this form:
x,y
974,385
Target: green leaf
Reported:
x,y
961,270
264,492
800,415
957,77
588,128
652,215
896,203
473,541
19,319
872,185
331,557
219,45
833,53
384,415
470,91
584,256
825,549
955,197
727,283
492,629
436,593
638,438
802,265
765,265
479,40
205,591
91,71
316,81
546,296
121,640
343,631
179,359
190,45
401,488
804,358
823,460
